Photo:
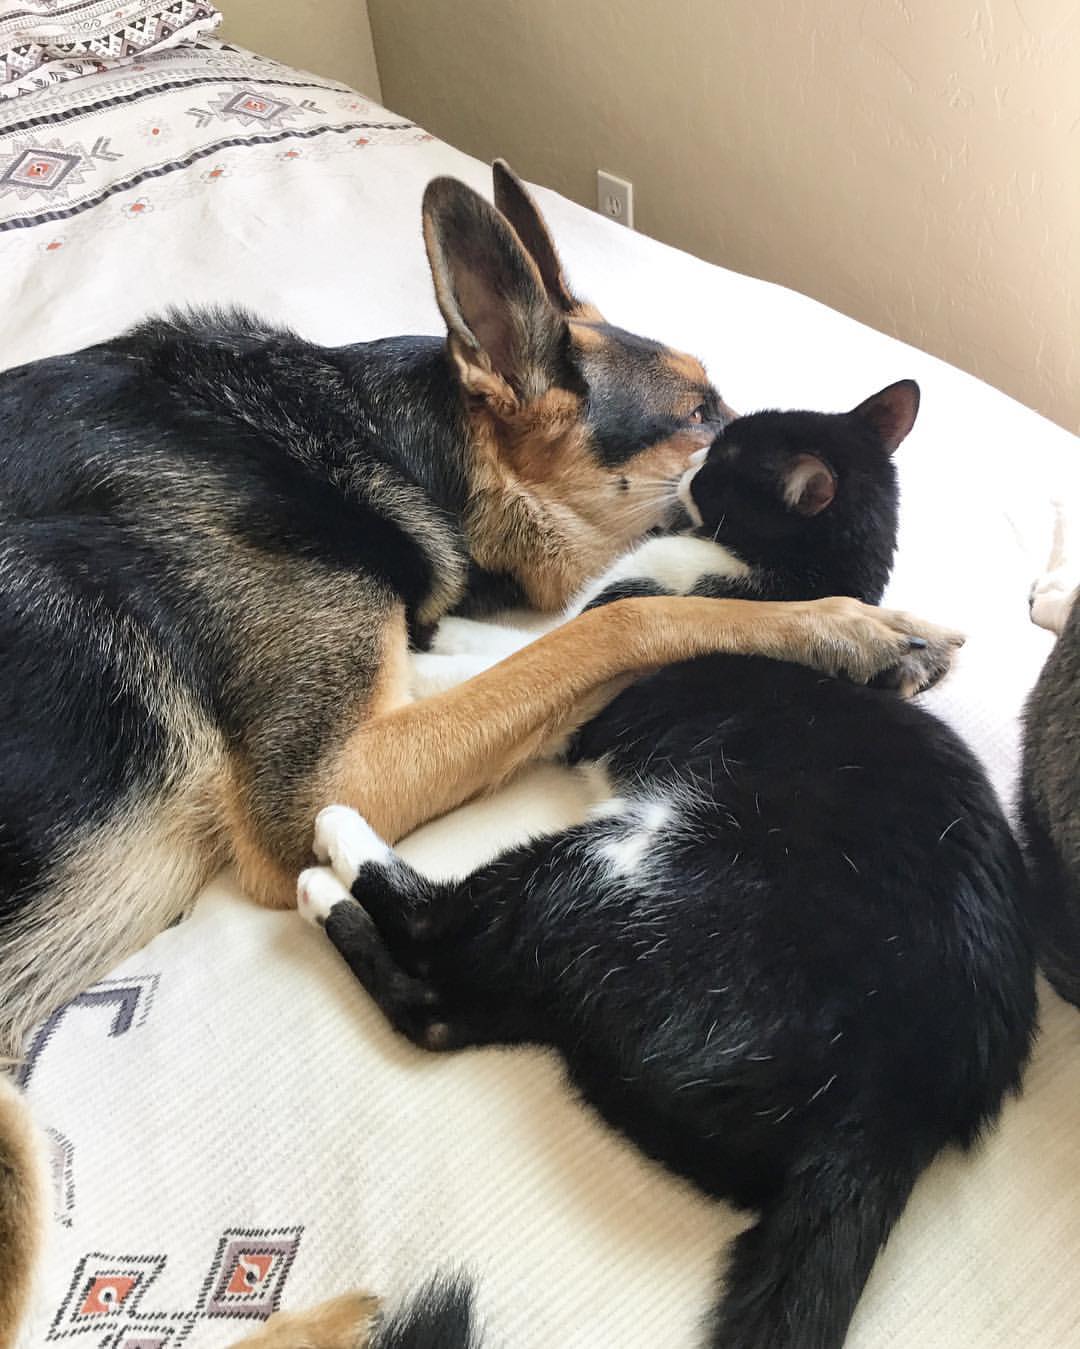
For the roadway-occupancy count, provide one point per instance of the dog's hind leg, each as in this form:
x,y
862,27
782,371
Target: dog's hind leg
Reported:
x,y
109,891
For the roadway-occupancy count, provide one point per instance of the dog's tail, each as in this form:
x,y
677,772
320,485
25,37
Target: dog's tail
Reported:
x,y
441,1316
22,1209
794,1278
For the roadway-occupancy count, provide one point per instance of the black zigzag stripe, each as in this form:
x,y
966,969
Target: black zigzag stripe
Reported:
x,y
56,118
125,184
37,14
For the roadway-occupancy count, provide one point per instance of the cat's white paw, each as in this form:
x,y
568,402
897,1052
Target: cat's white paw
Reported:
x,y
317,891
345,839
1052,598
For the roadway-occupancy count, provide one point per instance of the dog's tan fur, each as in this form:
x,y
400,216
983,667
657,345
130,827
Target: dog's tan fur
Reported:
x,y
22,1209
343,1323
544,508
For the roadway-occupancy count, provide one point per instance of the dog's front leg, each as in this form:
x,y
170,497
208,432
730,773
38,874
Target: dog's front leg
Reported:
x,y
421,760
403,763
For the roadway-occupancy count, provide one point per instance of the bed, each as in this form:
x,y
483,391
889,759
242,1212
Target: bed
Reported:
x,y
232,1127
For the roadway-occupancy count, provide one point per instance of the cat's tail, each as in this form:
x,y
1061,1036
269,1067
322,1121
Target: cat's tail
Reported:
x,y
22,1209
441,1316
794,1278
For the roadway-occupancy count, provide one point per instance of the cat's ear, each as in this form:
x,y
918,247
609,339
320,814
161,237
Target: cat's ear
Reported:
x,y
809,484
891,412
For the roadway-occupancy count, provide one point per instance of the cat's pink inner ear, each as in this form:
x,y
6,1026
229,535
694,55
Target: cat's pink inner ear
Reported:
x,y
891,412
810,485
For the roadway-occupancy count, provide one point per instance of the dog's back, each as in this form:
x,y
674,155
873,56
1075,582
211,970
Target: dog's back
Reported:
x,y
1050,807
177,569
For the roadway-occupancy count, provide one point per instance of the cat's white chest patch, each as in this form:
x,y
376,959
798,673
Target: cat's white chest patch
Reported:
x,y
678,563
640,827
675,562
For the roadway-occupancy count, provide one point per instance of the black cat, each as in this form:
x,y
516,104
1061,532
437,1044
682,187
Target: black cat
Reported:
x,y
788,956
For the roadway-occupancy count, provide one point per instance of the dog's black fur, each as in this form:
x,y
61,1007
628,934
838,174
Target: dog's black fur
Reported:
x,y
209,529
790,960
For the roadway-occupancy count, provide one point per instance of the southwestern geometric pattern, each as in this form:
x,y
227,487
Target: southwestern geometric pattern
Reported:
x,y
102,1289
250,1271
42,170
107,1294
38,168
62,1168
252,107
204,101
58,41
128,999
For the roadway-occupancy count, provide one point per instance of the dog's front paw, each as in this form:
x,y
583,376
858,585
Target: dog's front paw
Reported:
x,y
884,647
345,840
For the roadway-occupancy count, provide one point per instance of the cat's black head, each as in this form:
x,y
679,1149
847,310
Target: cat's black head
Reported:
x,y
809,497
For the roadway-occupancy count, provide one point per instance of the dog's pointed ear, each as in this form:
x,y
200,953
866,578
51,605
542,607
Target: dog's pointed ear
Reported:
x,y
508,341
891,412
513,200
809,485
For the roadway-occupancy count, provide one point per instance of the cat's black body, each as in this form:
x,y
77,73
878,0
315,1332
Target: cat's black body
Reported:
x,y
790,959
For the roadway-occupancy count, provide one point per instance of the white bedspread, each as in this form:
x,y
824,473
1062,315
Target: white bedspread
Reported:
x,y
233,1126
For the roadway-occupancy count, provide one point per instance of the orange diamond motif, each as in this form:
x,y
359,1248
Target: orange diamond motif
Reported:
x,y
249,1273
106,1294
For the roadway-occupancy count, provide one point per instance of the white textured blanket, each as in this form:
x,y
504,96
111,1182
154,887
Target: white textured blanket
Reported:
x,y
233,1126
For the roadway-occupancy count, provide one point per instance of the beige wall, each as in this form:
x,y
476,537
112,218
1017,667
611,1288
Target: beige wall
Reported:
x,y
329,37
915,163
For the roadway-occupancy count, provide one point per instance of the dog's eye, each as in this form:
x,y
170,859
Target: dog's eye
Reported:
x,y
697,416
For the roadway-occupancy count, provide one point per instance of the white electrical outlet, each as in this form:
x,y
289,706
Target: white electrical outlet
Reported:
x,y
615,198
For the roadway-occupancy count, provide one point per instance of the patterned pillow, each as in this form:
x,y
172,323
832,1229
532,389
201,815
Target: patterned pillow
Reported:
x,y
44,41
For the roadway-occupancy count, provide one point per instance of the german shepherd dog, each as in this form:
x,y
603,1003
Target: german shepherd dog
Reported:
x,y
218,542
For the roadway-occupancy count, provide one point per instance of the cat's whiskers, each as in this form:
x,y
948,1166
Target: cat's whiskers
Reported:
x,y
654,507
